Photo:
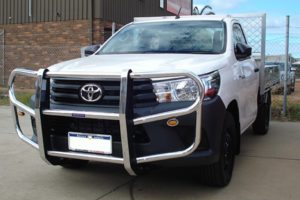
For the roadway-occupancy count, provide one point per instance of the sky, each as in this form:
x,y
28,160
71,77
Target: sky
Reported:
x,y
276,11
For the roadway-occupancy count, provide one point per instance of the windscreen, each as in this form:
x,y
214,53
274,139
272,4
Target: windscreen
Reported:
x,y
202,37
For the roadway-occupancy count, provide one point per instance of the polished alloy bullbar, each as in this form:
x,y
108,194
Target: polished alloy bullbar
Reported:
x,y
125,115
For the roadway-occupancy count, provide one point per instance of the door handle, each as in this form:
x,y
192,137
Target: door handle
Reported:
x,y
256,70
242,76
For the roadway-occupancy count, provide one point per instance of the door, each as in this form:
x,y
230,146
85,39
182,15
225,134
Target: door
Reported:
x,y
249,82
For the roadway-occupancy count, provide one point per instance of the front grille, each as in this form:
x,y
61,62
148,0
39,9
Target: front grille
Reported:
x,y
68,92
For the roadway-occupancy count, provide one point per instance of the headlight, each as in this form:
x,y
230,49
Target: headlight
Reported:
x,y
175,90
186,89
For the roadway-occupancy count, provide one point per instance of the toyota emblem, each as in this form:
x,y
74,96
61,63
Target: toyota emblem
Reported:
x,y
91,92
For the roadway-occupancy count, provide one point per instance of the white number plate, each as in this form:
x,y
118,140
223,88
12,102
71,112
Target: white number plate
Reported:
x,y
92,143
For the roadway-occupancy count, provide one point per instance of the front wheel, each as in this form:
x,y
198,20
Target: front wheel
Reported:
x,y
219,174
261,124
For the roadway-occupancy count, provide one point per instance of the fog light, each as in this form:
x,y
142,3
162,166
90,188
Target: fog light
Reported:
x,y
172,122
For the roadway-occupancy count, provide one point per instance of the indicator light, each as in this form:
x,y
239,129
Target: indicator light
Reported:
x,y
173,122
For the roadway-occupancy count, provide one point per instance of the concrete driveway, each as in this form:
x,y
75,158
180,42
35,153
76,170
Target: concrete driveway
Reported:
x,y
268,168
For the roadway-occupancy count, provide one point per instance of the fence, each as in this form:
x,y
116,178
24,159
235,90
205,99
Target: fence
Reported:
x,y
276,45
276,41
276,52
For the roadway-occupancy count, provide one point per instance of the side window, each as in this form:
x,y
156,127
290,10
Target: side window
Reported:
x,y
238,35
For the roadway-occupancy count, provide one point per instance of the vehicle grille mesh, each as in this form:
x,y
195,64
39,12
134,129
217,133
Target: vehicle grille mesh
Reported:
x,y
68,92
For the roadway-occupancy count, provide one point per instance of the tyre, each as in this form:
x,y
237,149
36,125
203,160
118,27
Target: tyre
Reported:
x,y
262,121
73,163
219,174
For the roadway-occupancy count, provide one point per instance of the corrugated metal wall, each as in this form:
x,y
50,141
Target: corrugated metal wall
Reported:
x,y
120,11
123,11
18,11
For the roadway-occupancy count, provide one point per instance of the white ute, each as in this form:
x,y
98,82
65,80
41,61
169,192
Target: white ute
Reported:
x,y
162,90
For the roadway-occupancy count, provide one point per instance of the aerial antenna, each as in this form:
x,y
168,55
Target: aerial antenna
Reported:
x,y
205,7
178,14
196,11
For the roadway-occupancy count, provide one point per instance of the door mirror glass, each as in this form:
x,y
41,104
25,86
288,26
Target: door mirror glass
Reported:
x,y
242,51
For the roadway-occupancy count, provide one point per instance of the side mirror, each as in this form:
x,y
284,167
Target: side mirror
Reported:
x,y
89,50
242,51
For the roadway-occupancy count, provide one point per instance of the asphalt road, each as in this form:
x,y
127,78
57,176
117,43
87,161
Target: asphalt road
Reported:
x,y
268,168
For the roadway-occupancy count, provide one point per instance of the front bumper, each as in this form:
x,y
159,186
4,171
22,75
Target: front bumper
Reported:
x,y
125,117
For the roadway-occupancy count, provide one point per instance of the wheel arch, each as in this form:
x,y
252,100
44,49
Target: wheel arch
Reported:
x,y
233,109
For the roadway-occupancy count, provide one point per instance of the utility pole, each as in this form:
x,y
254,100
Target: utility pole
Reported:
x,y
284,112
